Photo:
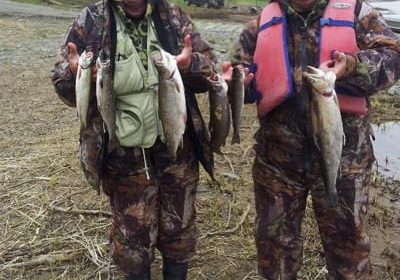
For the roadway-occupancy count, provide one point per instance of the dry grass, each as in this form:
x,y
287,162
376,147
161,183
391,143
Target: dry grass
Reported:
x,y
40,178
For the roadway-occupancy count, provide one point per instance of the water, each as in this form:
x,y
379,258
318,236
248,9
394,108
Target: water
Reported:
x,y
387,151
389,9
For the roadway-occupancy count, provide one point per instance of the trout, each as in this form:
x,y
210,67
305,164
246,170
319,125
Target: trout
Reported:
x,y
171,98
105,96
83,85
236,94
327,128
220,119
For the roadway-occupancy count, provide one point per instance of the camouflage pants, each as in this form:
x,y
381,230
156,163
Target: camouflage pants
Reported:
x,y
149,213
284,173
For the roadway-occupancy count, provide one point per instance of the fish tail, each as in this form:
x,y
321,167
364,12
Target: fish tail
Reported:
x,y
331,199
235,138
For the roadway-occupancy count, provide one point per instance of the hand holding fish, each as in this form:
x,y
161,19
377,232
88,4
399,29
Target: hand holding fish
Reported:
x,y
227,70
73,59
184,59
341,64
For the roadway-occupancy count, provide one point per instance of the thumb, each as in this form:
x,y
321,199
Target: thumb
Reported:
x,y
227,71
72,49
226,66
188,41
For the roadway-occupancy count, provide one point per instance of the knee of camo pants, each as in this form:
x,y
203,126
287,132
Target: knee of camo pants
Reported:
x,y
135,204
177,183
177,230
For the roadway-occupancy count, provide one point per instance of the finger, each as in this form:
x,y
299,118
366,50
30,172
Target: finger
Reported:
x,y
89,54
339,56
327,65
248,79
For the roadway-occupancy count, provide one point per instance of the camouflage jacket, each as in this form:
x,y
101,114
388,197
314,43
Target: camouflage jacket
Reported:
x,y
172,25
377,61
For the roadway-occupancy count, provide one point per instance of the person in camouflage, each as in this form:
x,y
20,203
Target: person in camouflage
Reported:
x,y
152,196
287,163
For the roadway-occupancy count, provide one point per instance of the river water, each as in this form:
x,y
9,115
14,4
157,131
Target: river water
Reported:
x,y
387,149
390,9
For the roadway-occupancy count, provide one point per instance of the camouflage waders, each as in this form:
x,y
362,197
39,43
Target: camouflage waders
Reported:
x,y
155,212
282,182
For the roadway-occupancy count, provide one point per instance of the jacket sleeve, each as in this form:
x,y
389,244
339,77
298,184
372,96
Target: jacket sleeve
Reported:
x,y
379,55
203,55
242,52
63,79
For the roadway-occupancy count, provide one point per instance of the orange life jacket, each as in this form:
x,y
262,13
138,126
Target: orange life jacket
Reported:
x,y
273,77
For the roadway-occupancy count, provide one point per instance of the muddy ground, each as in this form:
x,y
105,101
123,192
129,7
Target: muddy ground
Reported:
x,y
40,179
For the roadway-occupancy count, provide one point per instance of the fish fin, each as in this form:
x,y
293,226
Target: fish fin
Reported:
x,y
316,142
235,138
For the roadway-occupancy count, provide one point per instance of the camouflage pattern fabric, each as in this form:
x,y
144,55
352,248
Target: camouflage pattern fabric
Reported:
x,y
137,30
286,167
159,212
282,182
86,32
155,213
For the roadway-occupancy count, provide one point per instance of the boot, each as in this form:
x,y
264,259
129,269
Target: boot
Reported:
x,y
173,270
144,275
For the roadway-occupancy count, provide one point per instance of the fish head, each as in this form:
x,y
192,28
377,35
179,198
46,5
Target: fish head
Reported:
x,y
320,81
164,62
238,73
218,84
86,60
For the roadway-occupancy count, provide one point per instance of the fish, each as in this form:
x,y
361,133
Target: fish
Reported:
x,y
105,97
327,128
83,84
171,98
220,119
236,95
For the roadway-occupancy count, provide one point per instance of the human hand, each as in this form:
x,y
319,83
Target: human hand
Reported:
x,y
184,59
73,57
341,64
227,70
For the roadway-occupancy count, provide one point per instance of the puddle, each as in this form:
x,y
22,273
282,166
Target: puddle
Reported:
x,y
387,149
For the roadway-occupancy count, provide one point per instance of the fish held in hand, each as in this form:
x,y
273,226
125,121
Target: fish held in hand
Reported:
x,y
171,98
236,95
220,119
105,96
327,128
83,84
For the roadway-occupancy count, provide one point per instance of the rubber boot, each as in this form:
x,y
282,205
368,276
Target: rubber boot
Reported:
x,y
145,275
174,271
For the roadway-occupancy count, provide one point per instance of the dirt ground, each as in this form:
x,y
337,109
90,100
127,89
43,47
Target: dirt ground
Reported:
x,y
40,179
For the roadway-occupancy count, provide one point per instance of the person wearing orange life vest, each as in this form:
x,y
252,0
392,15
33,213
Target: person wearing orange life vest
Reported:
x,y
351,39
